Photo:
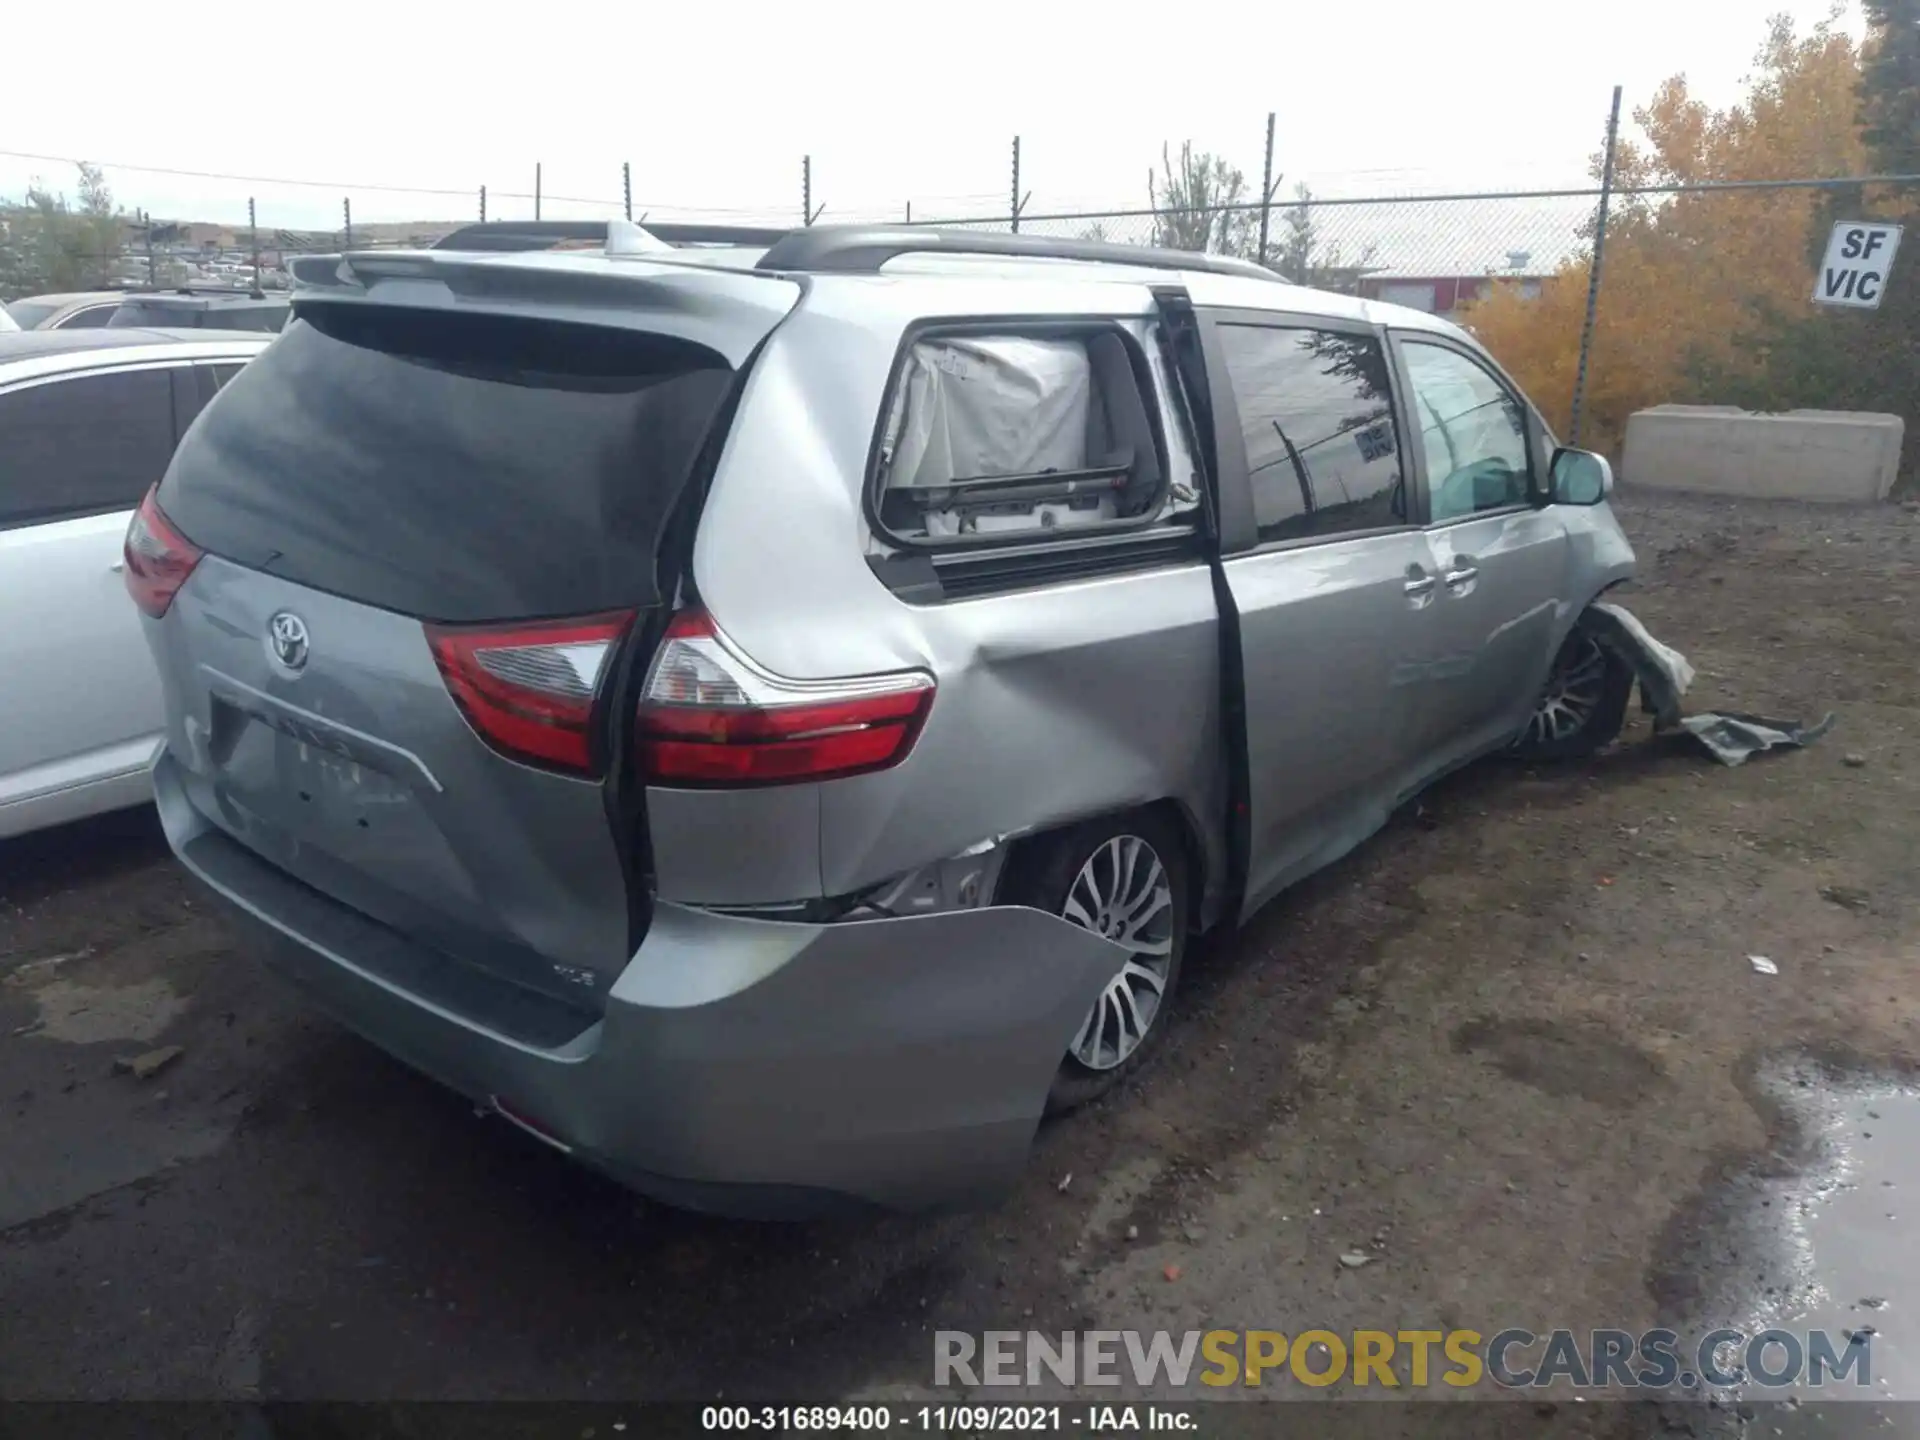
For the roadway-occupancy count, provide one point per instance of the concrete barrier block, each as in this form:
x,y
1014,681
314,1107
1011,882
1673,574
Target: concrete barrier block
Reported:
x,y
1841,456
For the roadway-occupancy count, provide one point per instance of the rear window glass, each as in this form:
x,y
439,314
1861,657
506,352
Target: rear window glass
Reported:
x,y
451,467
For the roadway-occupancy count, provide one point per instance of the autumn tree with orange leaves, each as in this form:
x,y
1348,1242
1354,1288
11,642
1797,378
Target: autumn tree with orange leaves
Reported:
x,y
1687,276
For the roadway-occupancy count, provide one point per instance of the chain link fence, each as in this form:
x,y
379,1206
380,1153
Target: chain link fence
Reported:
x,y
1355,246
1703,294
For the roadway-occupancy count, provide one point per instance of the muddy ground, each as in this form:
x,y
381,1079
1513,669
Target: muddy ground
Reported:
x,y
1509,1049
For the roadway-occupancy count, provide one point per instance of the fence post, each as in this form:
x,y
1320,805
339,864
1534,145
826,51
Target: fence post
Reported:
x,y
1266,190
536,190
152,282
626,186
1593,273
1013,205
483,204
346,213
253,232
806,190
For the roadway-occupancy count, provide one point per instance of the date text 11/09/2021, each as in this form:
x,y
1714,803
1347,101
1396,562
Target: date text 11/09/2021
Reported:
x,y
951,1419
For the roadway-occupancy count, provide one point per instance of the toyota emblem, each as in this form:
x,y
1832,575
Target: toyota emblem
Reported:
x,y
287,634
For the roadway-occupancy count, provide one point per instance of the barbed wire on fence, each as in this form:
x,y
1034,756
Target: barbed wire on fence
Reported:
x,y
1726,250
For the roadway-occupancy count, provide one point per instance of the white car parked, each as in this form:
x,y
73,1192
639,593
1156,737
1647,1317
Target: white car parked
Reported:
x,y
88,421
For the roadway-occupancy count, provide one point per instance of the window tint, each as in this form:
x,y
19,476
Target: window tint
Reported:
x,y
267,319
1473,433
80,446
1322,450
191,313
450,466
94,317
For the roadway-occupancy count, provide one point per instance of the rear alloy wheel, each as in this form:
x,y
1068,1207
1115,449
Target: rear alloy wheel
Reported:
x,y
1583,704
1123,893
1125,880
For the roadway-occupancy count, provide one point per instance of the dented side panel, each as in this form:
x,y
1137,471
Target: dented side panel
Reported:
x,y
741,1066
1055,703
1075,701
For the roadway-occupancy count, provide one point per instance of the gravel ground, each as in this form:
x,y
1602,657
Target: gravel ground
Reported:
x,y
1508,1049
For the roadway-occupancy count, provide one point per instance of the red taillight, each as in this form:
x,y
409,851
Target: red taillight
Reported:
x,y
158,558
529,690
711,717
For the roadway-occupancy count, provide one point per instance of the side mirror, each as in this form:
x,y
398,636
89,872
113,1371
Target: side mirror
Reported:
x,y
1579,477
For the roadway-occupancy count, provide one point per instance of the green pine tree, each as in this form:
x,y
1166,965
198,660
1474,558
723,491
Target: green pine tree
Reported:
x,y
1887,356
1890,86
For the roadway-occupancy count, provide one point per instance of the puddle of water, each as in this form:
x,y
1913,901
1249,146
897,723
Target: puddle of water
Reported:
x,y
1865,1264
1838,1243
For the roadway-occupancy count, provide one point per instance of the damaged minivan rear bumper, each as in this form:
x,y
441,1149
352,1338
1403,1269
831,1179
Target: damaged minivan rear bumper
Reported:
x,y
741,1066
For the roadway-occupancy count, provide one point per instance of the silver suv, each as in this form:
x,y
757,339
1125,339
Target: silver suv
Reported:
x,y
768,719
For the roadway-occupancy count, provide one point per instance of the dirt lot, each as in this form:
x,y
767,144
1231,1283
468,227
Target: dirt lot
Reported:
x,y
1507,1048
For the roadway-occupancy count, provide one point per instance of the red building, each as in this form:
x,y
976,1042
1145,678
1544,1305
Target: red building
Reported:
x,y
1442,295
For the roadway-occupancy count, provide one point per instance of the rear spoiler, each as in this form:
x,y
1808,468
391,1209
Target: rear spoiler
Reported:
x,y
728,311
498,235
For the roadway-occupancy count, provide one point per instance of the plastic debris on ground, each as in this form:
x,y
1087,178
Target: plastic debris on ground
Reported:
x,y
1663,675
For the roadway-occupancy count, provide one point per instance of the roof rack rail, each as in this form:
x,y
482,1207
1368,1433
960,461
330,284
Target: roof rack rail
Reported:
x,y
547,234
863,249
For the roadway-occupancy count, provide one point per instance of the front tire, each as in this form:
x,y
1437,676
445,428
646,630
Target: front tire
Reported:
x,y
1583,704
1125,878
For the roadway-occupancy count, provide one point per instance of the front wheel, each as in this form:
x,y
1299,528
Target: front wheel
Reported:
x,y
1125,879
1583,704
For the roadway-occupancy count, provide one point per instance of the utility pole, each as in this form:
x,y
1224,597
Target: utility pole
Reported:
x,y
806,190
536,190
626,187
253,230
152,280
483,204
1593,275
346,213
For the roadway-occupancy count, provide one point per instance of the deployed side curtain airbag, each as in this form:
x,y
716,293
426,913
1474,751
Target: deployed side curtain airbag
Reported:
x,y
990,406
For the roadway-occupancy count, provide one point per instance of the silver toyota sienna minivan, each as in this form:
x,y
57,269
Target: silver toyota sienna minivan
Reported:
x,y
767,714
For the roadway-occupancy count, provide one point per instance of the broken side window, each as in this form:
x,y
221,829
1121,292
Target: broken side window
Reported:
x,y
991,434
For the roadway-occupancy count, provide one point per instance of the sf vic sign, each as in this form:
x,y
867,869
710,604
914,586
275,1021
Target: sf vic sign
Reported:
x,y
1859,259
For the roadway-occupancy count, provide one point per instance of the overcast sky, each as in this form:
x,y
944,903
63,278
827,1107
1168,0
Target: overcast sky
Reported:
x,y
896,102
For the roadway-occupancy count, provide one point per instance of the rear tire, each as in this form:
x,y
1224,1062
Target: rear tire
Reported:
x,y
1583,704
1125,877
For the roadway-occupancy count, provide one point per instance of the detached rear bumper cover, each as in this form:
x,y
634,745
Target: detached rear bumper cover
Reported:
x,y
741,1066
